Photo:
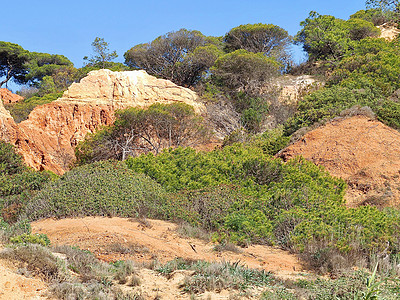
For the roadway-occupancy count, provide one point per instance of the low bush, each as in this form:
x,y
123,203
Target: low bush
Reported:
x,y
103,189
37,259
25,238
17,183
8,231
351,285
85,264
10,162
187,230
95,279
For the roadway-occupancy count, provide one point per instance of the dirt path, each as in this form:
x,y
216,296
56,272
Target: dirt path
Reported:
x,y
14,286
112,239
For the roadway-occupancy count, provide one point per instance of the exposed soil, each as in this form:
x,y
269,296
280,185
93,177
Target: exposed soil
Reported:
x,y
362,151
8,97
112,239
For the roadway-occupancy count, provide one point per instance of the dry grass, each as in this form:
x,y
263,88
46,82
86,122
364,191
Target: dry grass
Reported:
x,y
227,246
128,248
186,230
38,260
124,271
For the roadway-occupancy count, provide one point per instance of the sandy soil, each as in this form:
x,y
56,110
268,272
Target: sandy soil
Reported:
x,y
112,239
14,286
109,238
388,31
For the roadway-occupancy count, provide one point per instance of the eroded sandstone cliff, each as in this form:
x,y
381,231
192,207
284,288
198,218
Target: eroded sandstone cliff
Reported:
x,y
48,137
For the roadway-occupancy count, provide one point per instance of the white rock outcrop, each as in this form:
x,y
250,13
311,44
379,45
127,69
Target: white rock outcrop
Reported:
x,y
128,88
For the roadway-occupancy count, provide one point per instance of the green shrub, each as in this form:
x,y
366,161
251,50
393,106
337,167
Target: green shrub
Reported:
x,y
26,238
8,231
187,169
105,189
376,16
366,76
10,162
208,207
296,205
17,183
272,141
328,103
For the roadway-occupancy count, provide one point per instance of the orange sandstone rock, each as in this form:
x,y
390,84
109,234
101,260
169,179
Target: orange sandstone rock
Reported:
x,y
48,137
8,97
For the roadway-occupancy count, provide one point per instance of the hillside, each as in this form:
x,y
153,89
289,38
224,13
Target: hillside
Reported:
x,y
362,151
206,167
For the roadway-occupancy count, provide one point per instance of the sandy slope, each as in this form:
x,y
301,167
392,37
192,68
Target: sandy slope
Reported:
x,y
108,238
161,241
362,151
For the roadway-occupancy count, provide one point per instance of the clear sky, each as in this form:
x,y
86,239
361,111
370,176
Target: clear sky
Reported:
x,y
69,27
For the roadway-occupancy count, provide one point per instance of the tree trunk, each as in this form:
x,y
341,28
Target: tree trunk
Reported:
x,y
8,77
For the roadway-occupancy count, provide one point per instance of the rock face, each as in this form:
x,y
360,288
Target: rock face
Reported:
x,y
125,89
389,31
292,88
48,137
8,128
8,97
362,151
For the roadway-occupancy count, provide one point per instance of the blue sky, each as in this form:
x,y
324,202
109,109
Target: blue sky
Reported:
x,y
69,27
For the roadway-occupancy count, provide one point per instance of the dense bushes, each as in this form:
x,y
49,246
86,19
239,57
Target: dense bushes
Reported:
x,y
296,205
10,162
17,183
103,189
366,76
327,38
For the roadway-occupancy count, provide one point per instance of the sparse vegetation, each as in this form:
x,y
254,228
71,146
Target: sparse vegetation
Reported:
x,y
137,131
216,276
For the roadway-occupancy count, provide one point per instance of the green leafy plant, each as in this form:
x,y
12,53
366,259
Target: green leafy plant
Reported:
x,y
26,238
